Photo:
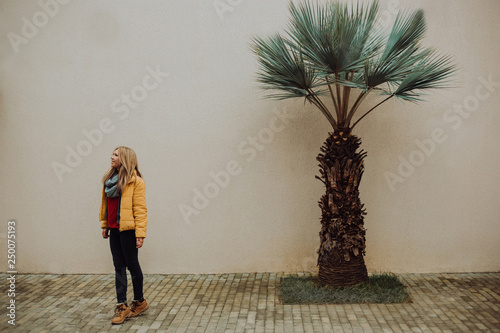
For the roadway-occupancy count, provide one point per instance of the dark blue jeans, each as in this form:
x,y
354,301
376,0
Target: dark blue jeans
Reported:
x,y
125,255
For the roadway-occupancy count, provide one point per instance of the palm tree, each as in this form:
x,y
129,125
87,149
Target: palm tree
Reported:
x,y
334,55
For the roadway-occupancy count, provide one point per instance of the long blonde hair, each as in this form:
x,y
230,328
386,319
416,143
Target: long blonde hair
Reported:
x,y
128,164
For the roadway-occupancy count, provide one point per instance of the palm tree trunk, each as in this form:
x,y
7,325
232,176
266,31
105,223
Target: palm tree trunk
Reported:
x,y
342,235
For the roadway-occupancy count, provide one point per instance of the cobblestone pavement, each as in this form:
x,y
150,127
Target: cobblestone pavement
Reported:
x,y
249,303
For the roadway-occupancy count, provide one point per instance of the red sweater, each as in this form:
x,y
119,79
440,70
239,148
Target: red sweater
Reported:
x,y
113,212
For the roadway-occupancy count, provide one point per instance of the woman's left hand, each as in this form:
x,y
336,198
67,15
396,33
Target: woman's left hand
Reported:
x,y
138,242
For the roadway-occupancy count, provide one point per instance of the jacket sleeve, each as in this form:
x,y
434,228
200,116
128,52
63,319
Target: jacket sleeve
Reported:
x,y
139,208
103,213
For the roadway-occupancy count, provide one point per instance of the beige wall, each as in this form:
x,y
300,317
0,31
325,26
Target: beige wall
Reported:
x,y
87,68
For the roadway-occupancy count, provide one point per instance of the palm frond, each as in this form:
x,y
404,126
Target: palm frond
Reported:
x,y
334,38
399,55
282,67
407,31
431,72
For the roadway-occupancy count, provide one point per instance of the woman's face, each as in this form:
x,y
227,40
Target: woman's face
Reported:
x,y
115,160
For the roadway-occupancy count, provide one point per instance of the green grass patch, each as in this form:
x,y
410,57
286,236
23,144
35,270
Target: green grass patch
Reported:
x,y
380,288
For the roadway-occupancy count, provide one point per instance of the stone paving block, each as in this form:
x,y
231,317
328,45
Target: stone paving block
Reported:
x,y
248,302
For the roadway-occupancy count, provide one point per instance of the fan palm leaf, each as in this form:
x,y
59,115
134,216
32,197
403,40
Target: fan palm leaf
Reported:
x,y
283,68
431,72
335,38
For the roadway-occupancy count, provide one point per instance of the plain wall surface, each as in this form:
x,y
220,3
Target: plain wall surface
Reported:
x,y
87,69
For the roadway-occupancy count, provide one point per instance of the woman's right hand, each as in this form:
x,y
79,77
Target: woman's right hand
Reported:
x,y
105,233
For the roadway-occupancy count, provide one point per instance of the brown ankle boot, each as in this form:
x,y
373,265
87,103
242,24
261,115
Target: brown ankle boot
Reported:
x,y
122,312
138,307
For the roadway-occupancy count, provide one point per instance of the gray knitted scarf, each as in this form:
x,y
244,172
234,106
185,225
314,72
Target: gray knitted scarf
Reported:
x,y
110,187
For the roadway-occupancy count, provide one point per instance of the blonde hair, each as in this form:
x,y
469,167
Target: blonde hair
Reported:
x,y
128,164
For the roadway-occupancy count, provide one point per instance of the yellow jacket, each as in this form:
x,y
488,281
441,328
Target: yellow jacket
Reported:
x,y
133,211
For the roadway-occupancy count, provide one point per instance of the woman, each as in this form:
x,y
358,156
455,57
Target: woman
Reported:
x,y
124,219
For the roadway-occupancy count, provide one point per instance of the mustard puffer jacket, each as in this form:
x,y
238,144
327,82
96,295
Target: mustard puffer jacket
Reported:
x,y
133,211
